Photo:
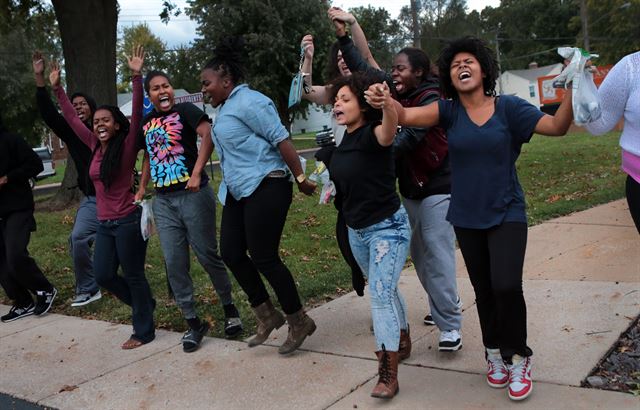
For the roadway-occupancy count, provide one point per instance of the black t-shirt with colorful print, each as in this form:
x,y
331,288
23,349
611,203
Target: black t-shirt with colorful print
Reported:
x,y
171,139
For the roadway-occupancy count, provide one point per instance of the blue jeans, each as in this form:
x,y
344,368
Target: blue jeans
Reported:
x,y
381,251
433,252
82,238
189,218
119,243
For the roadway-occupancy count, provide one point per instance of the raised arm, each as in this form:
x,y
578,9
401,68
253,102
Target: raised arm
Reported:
x,y
70,115
558,124
359,38
135,61
317,94
386,132
48,111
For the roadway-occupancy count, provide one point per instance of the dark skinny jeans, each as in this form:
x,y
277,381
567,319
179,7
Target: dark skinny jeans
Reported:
x,y
494,259
254,224
119,243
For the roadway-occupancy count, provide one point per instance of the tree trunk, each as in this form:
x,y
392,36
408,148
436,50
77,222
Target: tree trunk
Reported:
x,y
88,30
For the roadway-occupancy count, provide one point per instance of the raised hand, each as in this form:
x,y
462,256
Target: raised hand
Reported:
x,y
54,75
377,95
37,61
136,60
336,13
307,46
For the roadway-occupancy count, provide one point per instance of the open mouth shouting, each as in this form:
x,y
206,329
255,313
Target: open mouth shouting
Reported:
x,y
165,102
339,115
102,133
464,76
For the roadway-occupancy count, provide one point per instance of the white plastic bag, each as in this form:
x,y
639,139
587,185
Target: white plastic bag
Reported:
x,y
585,100
321,176
147,226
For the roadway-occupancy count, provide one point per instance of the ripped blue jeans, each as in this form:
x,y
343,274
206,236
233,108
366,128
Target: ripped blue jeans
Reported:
x,y
381,251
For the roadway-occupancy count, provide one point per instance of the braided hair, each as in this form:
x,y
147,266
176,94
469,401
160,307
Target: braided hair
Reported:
x,y
481,52
113,153
227,58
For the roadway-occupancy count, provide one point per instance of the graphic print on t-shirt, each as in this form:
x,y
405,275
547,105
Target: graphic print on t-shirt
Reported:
x,y
163,137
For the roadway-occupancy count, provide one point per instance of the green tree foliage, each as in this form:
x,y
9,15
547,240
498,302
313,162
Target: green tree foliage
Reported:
x,y
24,26
154,49
614,28
384,34
272,30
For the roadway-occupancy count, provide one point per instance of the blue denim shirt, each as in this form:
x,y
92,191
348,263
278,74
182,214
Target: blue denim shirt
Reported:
x,y
246,134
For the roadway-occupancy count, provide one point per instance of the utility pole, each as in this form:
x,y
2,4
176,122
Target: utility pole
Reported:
x,y
416,25
584,17
498,59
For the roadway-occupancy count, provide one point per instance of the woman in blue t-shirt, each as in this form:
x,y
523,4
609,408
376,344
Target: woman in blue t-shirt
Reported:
x,y
362,168
485,133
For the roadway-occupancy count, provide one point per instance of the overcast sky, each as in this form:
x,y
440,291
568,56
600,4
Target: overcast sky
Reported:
x,y
181,30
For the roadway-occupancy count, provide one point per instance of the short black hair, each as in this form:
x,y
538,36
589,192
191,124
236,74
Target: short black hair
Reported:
x,y
153,74
331,70
227,58
358,83
419,60
480,51
90,101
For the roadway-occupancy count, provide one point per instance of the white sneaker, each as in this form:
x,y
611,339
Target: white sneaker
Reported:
x,y
520,383
450,341
497,372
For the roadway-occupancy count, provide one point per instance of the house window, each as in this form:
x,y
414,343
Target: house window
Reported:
x,y
61,143
532,90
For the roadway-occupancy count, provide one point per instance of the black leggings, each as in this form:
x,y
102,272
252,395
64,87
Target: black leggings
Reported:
x,y
494,259
633,199
255,224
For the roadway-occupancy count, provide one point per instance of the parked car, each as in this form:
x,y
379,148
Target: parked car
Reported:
x,y
47,162
325,138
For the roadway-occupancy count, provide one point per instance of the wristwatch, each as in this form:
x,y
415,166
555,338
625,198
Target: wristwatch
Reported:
x,y
301,178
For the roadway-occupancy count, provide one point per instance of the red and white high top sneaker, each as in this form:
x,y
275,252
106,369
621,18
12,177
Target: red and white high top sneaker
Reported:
x,y
497,372
520,383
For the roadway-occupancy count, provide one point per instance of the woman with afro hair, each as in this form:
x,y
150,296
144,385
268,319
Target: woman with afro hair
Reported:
x,y
485,134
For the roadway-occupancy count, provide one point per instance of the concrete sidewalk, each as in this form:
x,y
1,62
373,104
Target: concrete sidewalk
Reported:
x,y
582,286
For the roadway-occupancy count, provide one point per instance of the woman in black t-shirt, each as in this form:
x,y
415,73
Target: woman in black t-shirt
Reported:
x,y
363,169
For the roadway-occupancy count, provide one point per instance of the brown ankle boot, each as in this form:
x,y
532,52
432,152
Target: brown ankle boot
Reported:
x,y
300,326
269,318
405,344
387,386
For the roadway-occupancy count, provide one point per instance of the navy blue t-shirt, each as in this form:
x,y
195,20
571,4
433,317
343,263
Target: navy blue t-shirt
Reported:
x,y
485,190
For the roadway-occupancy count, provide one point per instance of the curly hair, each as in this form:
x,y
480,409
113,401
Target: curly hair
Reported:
x,y
228,59
358,83
481,52
153,74
111,159
418,60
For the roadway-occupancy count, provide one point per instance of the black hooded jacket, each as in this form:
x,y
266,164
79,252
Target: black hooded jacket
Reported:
x,y
80,153
18,162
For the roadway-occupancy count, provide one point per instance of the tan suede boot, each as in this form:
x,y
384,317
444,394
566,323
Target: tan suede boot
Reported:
x,y
405,344
269,318
300,326
387,386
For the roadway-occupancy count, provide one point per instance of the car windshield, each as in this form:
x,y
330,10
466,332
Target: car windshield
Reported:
x,y
44,154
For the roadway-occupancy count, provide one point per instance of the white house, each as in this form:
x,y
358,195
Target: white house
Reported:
x,y
524,83
318,119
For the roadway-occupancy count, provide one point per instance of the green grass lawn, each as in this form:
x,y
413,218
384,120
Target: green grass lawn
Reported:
x,y
559,176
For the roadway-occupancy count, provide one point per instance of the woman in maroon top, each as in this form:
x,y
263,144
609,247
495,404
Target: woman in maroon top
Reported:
x,y
118,241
